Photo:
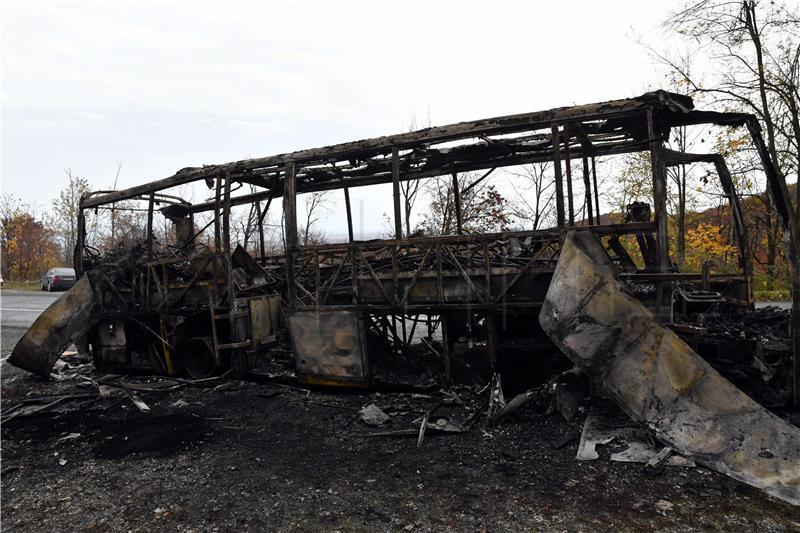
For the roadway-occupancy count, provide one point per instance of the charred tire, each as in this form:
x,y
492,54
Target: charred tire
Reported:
x,y
200,358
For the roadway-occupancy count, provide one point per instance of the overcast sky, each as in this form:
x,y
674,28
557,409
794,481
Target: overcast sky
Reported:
x,y
160,86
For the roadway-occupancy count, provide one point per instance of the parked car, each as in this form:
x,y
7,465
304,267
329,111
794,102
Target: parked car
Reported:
x,y
58,279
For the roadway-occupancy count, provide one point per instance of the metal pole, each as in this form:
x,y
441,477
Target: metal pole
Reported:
x,y
150,206
398,224
217,201
660,207
260,230
587,184
596,195
349,214
559,178
290,224
457,203
568,166
77,253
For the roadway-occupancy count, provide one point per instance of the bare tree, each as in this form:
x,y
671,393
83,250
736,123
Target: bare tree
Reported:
x,y
631,183
64,217
316,203
113,206
409,189
682,139
483,208
245,225
756,48
536,195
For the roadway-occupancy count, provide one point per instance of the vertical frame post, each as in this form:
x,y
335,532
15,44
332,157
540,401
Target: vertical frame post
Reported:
x,y
568,166
660,206
290,225
457,203
349,214
150,205
659,189
226,215
559,178
587,185
398,223
260,230
596,194
217,203
77,253
738,220
226,245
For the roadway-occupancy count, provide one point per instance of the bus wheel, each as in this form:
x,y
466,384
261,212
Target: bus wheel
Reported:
x,y
200,358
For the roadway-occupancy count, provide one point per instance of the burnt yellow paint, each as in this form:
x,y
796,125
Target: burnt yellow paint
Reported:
x,y
167,357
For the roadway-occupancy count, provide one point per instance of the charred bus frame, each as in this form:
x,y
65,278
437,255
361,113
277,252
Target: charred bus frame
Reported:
x,y
333,294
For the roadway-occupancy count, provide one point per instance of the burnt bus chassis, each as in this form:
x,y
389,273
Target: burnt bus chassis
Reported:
x,y
487,285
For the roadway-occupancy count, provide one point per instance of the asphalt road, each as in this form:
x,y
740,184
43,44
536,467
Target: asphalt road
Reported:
x,y
18,310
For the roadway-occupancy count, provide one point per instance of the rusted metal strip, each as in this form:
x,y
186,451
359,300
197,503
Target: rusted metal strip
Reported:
x,y
464,274
374,277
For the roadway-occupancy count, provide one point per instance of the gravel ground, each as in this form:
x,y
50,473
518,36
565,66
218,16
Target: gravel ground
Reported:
x,y
258,457
254,456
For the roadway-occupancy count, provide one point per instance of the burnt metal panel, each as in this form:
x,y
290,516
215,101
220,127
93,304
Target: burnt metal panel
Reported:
x,y
264,312
66,320
329,347
112,342
659,380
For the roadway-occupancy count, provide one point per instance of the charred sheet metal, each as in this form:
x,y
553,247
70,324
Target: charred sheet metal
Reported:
x,y
67,319
264,318
111,342
659,380
329,347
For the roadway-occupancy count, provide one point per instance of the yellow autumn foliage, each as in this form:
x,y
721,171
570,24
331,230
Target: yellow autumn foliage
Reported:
x,y
706,243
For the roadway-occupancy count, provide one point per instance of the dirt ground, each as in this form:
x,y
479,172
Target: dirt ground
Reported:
x,y
254,456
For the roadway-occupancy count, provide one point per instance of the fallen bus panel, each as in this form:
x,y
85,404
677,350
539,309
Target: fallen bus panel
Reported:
x,y
659,380
64,322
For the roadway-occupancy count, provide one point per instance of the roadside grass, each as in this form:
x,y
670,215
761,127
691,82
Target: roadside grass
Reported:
x,y
22,285
776,295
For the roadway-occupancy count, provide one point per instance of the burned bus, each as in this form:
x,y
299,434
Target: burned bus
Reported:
x,y
520,303
200,309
